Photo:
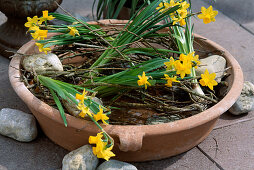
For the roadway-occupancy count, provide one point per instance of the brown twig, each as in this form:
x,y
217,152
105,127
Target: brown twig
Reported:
x,y
199,95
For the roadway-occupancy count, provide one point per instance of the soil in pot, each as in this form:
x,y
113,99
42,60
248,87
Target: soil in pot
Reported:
x,y
131,106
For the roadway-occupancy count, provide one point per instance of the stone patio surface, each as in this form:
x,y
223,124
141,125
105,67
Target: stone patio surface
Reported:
x,y
229,146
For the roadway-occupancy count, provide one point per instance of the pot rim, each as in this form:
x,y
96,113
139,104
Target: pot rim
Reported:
x,y
171,127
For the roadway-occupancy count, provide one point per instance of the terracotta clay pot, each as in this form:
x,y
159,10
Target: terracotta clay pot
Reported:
x,y
132,143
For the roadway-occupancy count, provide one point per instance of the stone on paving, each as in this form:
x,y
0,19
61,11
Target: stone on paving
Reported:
x,y
116,165
3,18
42,63
214,64
2,167
232,146
80,159
17,125
245,103
193,159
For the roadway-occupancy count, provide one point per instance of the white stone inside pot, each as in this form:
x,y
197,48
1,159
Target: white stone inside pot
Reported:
x,y
116,165
18,125
214,64
80,159
245,103
41,63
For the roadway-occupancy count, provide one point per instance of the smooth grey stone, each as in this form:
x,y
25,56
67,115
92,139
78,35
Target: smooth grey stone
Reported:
x,y
80,159
116,165
71,107
245,103
18,125
42,63
214,64
3,167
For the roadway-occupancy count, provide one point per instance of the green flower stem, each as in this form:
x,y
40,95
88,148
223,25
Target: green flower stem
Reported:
x,y
107,137
185,45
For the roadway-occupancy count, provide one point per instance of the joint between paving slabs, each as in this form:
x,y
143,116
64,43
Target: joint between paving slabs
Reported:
x,y
211,159
233,123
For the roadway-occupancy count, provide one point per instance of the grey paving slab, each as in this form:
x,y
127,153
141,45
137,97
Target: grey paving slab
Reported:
x,y
249,26
193,159
36,155
231,36
239,10
8,98
228,119
78,7
232,146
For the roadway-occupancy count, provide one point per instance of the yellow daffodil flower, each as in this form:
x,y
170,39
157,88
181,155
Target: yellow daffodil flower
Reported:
x,y
101,116
208,15
184,7
34,28
182,21
184,57
170,80
164,5
181,13
46,17
100,146
190,58
208,79
101,150
82,96
196,60
41,49
107,153
182,68
39,34
170,64
178,19
32,22
143,80
73,31
84,110
95,139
